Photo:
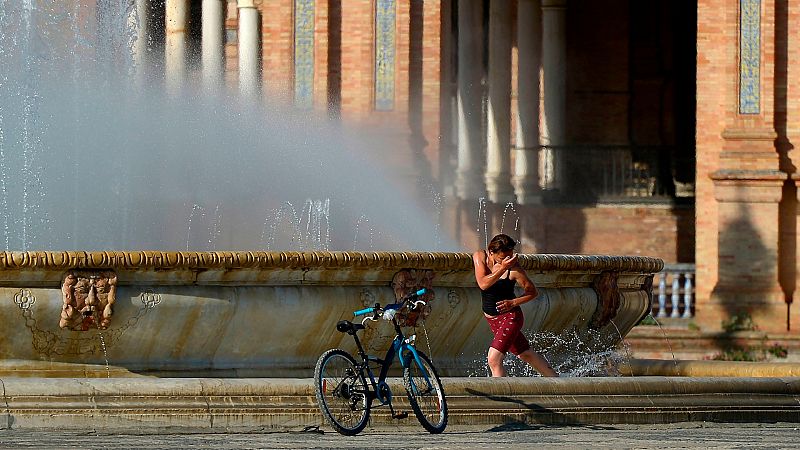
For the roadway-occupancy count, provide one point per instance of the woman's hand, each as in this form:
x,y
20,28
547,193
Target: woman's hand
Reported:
x,y
504,306
508,262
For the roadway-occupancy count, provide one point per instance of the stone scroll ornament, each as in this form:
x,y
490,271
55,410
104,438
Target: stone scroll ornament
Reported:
x,y
407,281
88,299
608,299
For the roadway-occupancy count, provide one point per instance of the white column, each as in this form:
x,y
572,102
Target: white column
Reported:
x,y
526,153
498,114
554,56
469,97
142,43
249,48
177,24
213,43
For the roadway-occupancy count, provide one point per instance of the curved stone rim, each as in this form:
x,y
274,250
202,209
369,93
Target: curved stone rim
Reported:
x,y
314,259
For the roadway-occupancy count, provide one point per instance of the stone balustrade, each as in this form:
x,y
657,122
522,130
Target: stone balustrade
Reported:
x,y
674,294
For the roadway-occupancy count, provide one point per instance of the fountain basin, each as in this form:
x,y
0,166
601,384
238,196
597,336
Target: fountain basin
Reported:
x,y
271,314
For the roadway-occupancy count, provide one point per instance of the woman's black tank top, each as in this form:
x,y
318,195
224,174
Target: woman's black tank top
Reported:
x,y
503,289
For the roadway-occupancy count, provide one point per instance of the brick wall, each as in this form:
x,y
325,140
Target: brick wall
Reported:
x,y
597,72
660,231
747,215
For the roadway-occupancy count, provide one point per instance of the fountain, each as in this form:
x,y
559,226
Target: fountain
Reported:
x,y
245,314
208,338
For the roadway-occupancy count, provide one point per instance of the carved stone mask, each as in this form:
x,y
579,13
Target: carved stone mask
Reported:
x,y
88,299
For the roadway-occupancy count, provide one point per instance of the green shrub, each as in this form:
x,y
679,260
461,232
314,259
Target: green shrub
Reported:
x,y
758,353
740,321
648,320
778,351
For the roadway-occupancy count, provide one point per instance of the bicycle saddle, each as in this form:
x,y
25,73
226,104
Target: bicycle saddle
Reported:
x,y
345,326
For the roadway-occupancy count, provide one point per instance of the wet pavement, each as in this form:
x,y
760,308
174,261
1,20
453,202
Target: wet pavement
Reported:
x,y
670,436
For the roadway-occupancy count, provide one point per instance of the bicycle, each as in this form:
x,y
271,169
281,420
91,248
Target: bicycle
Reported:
x,y
345,389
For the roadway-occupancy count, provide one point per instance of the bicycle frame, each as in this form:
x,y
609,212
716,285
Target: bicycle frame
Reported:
x,y
401,346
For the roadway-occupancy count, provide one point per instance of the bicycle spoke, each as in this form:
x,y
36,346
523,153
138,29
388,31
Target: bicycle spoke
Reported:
x,y
426,395
341,392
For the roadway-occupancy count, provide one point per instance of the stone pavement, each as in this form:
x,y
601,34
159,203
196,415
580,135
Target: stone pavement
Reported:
x,y
666,436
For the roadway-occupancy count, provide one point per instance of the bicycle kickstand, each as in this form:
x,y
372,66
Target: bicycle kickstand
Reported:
x,y
399,415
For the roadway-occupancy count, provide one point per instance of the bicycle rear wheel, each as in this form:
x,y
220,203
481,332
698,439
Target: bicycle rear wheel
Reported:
x,y
341,392
426,396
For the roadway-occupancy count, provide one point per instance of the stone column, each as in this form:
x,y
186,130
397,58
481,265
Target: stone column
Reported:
x,y
142,42
469,98
249,48
554,57
177,24
526,153
213,43
498,111
448,144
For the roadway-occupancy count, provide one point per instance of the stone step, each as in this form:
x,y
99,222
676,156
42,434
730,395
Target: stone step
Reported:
x,y
273,403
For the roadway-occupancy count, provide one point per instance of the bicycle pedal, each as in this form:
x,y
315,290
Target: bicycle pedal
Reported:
x,y
400,415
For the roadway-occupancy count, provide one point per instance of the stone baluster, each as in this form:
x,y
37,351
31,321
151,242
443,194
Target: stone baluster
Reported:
x,y
687,296
662,294
676,294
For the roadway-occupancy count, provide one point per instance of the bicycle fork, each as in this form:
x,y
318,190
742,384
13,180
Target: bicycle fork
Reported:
x,y
381,391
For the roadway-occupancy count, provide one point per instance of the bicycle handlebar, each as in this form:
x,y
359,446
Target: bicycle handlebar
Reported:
x,y
361,312
377,308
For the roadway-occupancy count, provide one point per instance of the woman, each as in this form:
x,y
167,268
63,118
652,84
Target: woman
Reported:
x,y
497,272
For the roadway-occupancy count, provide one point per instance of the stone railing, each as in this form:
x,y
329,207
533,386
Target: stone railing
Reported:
x,y
609,173
673,293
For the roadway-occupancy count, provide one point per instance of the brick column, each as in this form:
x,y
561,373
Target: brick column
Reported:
x,y
748,182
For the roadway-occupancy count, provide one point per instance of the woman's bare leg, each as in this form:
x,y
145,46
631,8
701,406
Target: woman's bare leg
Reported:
x,y
495,359
537,362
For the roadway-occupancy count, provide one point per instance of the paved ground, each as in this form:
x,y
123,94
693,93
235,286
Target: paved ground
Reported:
x,y
673,436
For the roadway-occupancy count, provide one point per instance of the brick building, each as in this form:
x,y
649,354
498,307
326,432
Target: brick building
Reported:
x,y
658,128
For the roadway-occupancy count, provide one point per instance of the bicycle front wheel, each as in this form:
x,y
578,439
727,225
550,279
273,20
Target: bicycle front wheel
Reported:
x,y
426,394
341,392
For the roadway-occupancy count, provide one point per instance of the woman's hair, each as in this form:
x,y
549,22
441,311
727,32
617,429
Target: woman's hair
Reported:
x,y
501,243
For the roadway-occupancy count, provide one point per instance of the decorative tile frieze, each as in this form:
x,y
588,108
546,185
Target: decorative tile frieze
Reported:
x,y
304,53
749,56
385,19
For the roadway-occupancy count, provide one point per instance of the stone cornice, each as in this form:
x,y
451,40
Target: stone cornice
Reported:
x,y
155,260
748,175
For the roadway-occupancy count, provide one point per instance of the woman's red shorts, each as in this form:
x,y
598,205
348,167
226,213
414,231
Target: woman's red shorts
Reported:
x,y
507,330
